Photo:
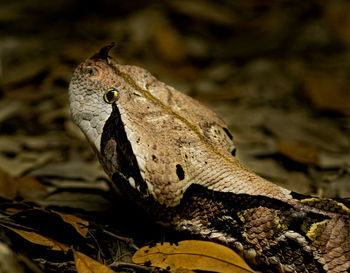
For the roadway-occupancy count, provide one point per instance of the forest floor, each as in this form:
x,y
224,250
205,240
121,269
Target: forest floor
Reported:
x,y
277,73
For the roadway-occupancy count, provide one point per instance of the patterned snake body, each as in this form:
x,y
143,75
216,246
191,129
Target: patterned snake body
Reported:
x,y
173,156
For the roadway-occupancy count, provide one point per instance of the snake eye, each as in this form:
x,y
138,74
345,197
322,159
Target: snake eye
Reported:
x,y
111,95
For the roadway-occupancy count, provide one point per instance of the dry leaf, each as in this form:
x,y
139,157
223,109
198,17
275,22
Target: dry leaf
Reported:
x,y
71,170
328,91
9,108
192,255
300,127
298,152
30,188
77,200
25,161
38,239
168,43
13,210
85,264
338,20
27,187
80,225
8,186
210,11
29,70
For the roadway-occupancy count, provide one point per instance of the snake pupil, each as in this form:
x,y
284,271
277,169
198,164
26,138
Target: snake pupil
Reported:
x,y
111,95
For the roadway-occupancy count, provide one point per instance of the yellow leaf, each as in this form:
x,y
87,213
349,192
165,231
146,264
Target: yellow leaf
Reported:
x,y
80,225
85,264
192,255
38,239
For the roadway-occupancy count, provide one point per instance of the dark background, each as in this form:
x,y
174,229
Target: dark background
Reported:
x,y
277,72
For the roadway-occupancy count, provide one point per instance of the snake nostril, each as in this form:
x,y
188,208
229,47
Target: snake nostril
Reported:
x,y
91,71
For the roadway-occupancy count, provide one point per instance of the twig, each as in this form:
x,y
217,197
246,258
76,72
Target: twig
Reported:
x,y
127,240
118,264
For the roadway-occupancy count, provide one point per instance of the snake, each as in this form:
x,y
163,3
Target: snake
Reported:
x,y
175,158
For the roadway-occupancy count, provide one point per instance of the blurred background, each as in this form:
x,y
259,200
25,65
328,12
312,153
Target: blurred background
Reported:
x,y
277,72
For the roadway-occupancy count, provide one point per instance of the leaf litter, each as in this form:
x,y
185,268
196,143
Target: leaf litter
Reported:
x,y
287,104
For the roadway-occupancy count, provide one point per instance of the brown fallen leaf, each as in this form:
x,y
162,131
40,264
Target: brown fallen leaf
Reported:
x,y
85,264
328,91
298,152
30,70
192,255
30,188
212,12
26,187
302,128
93,202
25,161
8,186
71,170
338,20
9,108
80,225
168,42
38,239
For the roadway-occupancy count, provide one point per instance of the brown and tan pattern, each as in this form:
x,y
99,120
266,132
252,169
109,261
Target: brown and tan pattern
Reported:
x,y
174,157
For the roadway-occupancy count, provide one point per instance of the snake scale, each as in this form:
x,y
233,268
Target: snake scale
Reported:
x,y
175,158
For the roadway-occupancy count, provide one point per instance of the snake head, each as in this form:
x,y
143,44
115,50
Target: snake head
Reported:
x,y
153,137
